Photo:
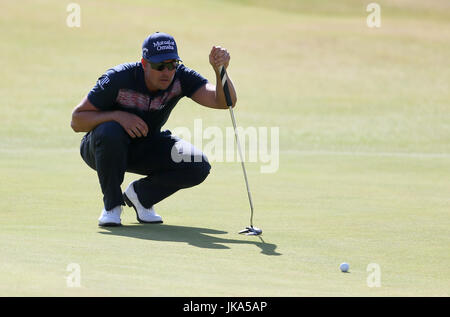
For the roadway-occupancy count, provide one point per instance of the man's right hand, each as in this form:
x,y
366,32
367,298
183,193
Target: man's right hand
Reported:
x,y
131,123
86,117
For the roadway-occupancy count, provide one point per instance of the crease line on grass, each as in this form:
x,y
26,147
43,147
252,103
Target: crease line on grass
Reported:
x,y
376,154
35,150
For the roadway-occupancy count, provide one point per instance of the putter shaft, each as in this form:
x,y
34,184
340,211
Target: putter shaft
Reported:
x,y
226,91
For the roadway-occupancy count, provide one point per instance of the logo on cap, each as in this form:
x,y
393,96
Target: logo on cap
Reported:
x,y
164,45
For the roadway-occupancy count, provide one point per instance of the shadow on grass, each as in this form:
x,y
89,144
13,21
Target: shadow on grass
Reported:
x,y
197,237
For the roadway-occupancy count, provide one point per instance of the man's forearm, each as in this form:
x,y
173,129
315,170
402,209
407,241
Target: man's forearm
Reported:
x,y
85,121
220,95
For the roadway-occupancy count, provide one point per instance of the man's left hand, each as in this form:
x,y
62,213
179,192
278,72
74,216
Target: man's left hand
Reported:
x,y
219,56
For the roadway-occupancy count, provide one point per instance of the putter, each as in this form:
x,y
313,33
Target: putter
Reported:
x,y
249,231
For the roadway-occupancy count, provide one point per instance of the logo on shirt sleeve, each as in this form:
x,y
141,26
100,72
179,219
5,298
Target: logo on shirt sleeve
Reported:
x,y
103,81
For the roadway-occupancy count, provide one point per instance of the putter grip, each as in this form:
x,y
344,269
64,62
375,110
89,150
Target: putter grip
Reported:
x,y
226,90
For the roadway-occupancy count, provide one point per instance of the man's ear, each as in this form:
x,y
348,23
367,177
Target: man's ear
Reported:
x,y
144,63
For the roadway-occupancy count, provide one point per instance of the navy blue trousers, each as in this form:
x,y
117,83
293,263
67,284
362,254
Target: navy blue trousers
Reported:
x,y
167,162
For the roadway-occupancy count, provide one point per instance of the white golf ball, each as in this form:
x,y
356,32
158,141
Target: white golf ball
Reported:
x,y
344,267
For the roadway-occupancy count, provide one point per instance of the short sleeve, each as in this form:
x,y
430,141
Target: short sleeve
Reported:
x,y
105,91
191,81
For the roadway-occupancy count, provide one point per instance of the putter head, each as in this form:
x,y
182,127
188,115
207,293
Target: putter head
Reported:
x,y
251,231
246,230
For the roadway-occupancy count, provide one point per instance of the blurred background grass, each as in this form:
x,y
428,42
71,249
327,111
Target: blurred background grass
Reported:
x,y
333,82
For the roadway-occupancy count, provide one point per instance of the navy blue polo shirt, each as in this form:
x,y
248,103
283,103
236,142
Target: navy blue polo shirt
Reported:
x,y
123,88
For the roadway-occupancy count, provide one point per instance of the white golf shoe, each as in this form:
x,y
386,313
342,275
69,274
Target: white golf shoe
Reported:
x,y
143,215
110,218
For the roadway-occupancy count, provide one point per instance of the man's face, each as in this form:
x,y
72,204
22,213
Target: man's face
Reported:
x,y
156,79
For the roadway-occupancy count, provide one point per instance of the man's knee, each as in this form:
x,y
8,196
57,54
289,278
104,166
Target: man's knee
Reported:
x,y
110,134
200,171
